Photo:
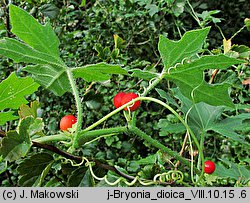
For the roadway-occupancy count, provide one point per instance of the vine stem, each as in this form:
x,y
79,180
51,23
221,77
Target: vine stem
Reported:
x,y
154,83
77,137
194,14
148,99
59,137
201,157
177,115
158,145
77,100
85,137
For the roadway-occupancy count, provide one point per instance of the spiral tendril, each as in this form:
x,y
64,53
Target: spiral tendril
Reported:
x,y
172,175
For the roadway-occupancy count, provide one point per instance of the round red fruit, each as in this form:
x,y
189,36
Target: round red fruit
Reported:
x,y
127,98
118,98
67,122
209,167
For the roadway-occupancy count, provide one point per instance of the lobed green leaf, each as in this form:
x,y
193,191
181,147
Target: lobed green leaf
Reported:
x,y
189,77
230,127
173,52
26,27
233,170
13,91
203,116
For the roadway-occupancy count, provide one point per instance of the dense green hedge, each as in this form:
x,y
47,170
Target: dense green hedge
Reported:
x,y
87,36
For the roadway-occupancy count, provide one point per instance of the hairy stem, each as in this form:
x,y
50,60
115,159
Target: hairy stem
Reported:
x,y
77,100
59,137
84,137
154,83
148,99
158,145
80,135
177,115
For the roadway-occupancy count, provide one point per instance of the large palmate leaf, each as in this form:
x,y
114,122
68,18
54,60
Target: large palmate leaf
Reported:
x,y
41,38
173,52
17,144
189,77
34,169
97,72
13,91
39,46
204,118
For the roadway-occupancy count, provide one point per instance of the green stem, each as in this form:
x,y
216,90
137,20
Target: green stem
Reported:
x,y
177,115
158,145
145,136
201,145
242,28
148,89
59,137
101,120
193,13
192,158
200,162
154,83
200,149
106,117
149,99
77,99
84,136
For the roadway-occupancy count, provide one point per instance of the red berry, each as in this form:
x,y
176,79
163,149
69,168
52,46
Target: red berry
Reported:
x,y
209,167
127,98
118,98
67,122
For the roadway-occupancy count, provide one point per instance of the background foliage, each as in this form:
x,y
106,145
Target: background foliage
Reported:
x,y
127,33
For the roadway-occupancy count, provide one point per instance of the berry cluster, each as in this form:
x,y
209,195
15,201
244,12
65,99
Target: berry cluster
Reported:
x,y
122,98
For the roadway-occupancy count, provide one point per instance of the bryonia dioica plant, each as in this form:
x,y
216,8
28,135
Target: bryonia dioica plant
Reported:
x,y
197,105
